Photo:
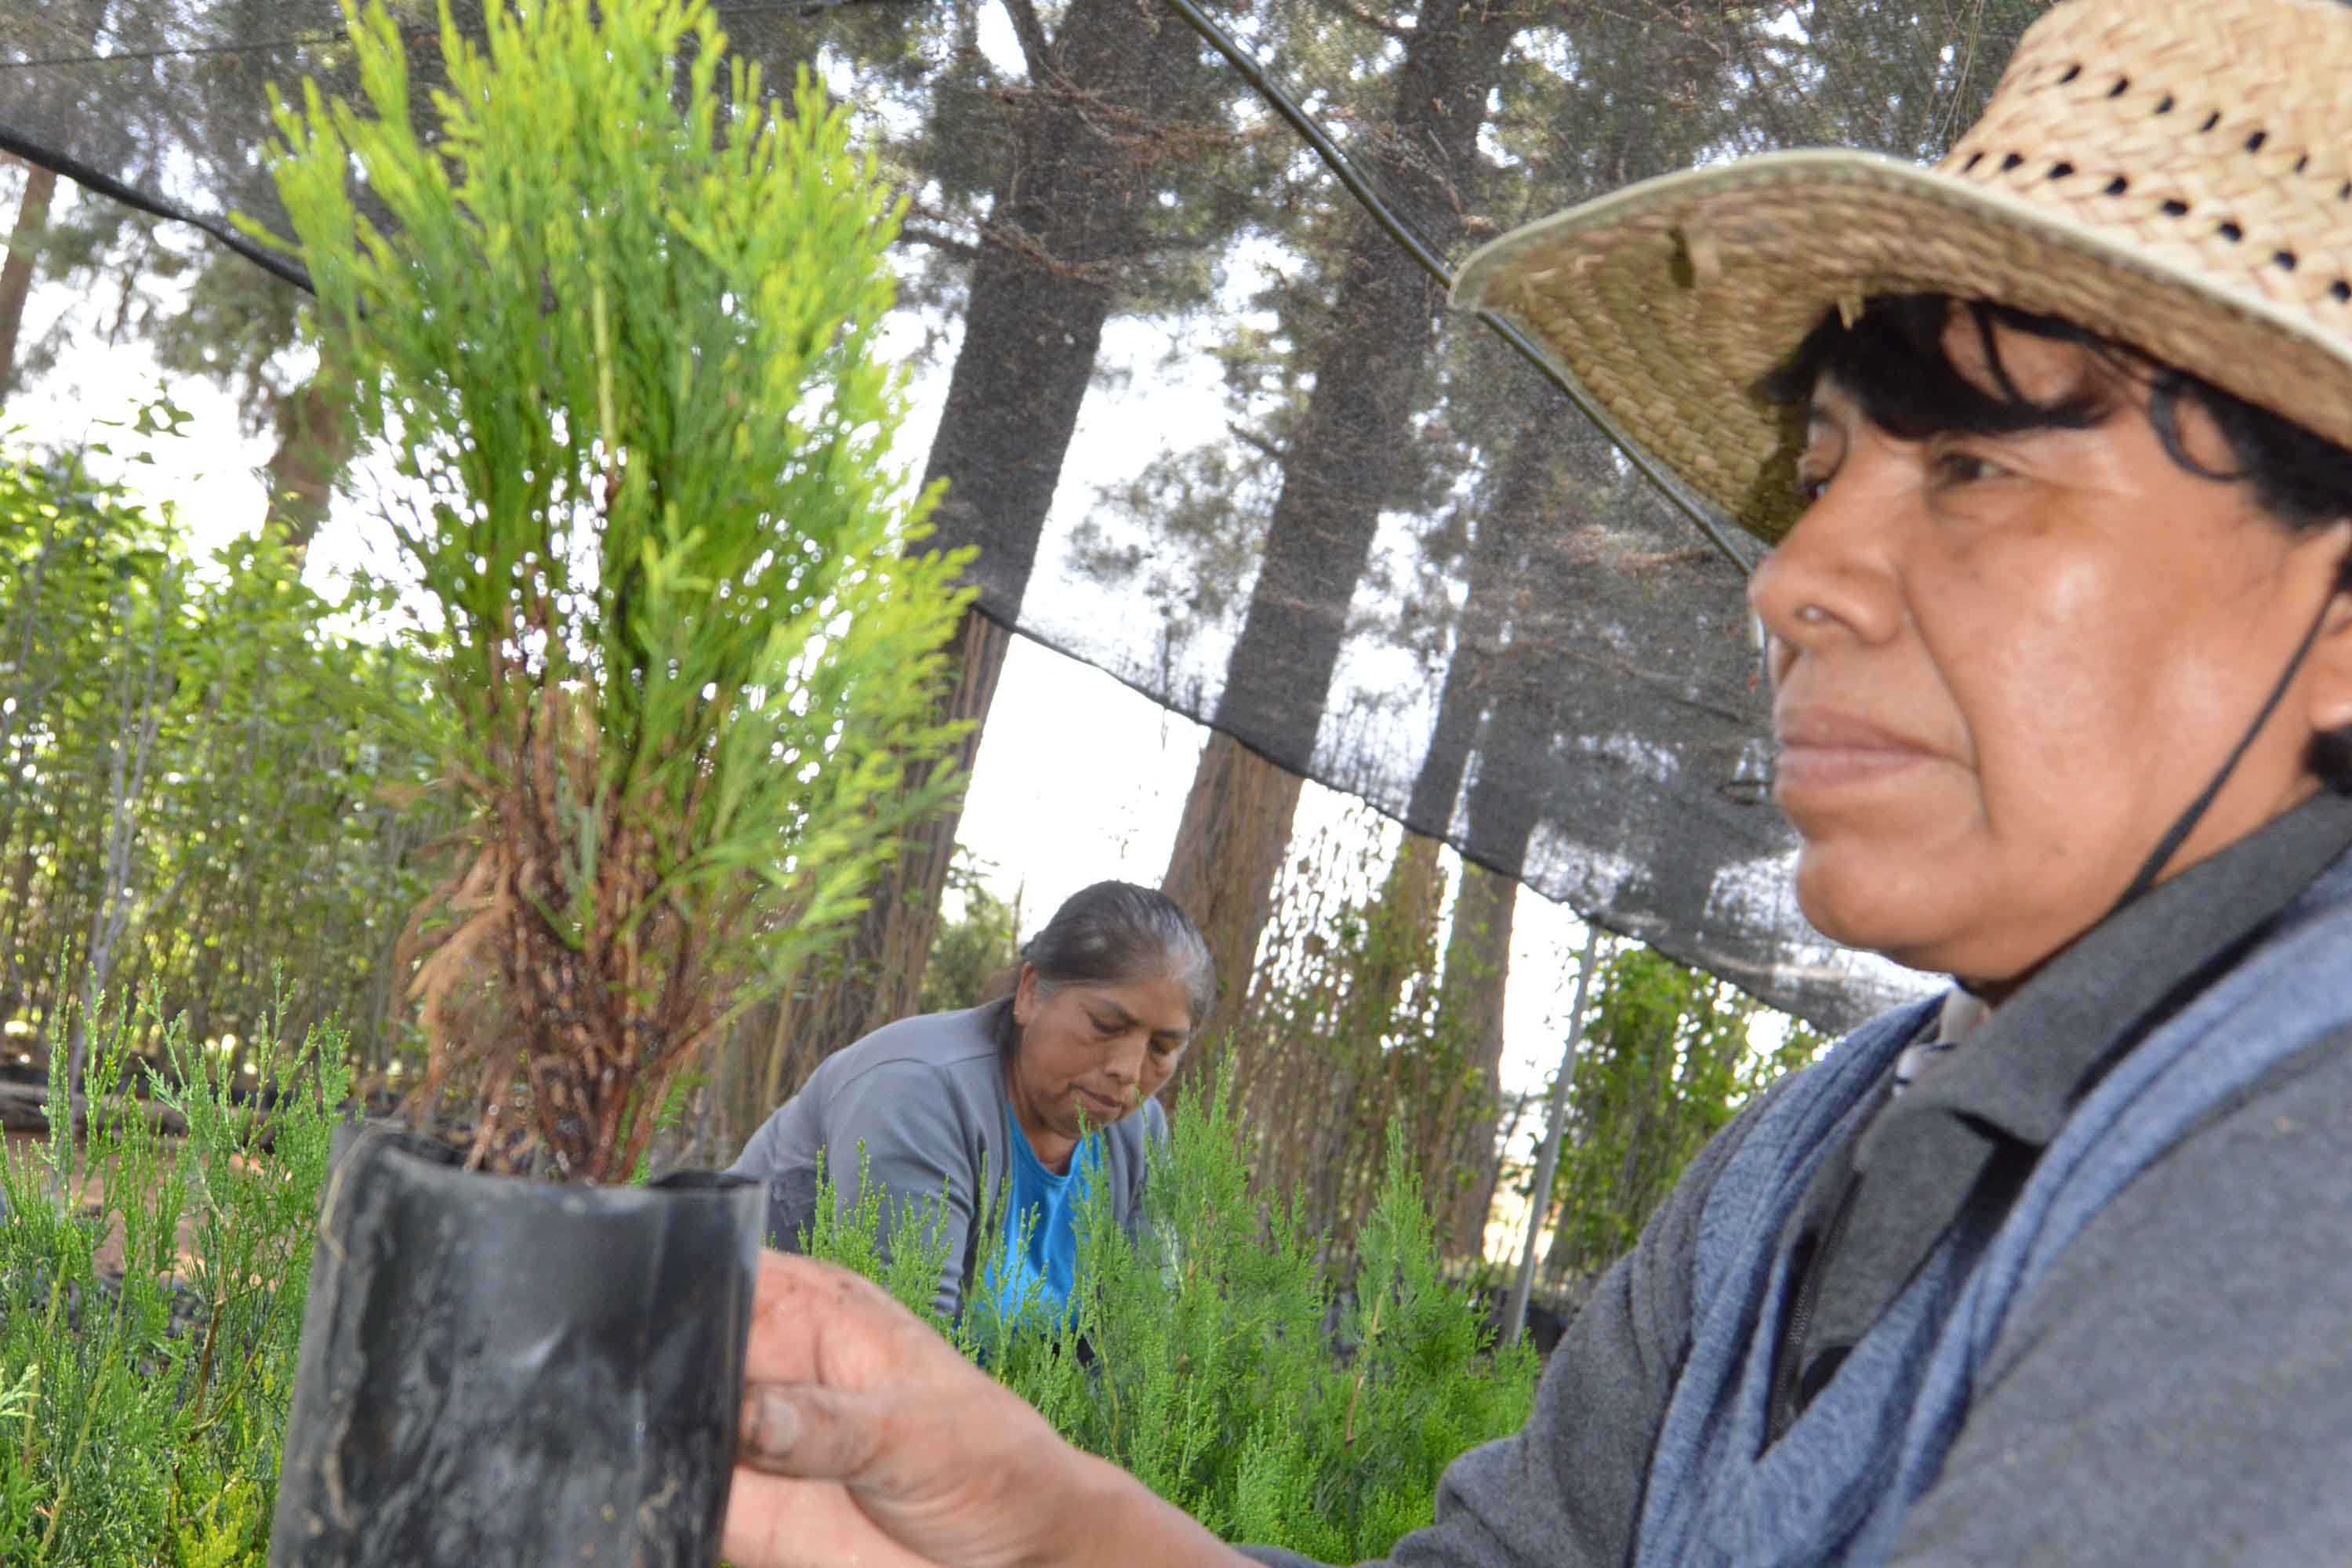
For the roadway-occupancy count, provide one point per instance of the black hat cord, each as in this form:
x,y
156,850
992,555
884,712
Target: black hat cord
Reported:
x,y
2186,824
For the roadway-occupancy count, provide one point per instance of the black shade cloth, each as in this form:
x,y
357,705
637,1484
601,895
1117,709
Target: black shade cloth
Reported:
x,y
1406,567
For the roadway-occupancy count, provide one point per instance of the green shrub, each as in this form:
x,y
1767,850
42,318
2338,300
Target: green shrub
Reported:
x,y
139,1416
1209,1368
617,314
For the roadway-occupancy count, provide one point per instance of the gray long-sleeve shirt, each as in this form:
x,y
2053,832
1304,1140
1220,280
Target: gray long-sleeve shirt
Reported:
x,y
925,1100
2179,1390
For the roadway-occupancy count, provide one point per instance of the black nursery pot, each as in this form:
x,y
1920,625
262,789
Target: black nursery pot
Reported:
x,y
508,1371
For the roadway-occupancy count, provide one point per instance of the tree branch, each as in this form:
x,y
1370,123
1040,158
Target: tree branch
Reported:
x,y
1035,47
1258,440
1357,13
938,239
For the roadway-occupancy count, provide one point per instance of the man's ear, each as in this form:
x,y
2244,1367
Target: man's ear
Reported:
x,y
2330,680
1025,994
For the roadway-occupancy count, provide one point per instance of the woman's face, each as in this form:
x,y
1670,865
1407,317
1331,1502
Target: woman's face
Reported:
x,y
1093,1054
2003,666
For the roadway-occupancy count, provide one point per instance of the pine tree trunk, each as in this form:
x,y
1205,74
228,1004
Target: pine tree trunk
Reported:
x,y
17,273
1229,849
1072,213
1339,471
316,438
1478,972
1482,676
1413,897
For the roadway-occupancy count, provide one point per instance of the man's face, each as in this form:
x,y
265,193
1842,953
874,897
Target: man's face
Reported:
x,y
2004,667
1090,1054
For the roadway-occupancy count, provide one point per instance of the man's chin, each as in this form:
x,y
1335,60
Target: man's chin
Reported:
x,y
1858,905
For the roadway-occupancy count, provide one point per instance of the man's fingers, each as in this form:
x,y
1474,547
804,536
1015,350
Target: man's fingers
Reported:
x,y
799,1305
772,1425
783,1524
810,1432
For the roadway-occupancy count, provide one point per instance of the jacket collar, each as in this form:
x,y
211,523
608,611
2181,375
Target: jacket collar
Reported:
x,y
1983,1115
2025,1066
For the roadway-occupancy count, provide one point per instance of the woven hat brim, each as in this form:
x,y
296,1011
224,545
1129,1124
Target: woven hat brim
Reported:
x,y
1668,301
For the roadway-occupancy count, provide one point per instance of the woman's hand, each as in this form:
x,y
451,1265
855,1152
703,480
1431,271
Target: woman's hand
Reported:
x,y
867,1439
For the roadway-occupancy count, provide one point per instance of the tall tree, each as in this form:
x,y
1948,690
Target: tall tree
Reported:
x,y
1104,124
1475,712
1339,470
17,273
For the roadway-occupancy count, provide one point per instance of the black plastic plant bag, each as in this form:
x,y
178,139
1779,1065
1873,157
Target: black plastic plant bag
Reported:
x,y
502,1371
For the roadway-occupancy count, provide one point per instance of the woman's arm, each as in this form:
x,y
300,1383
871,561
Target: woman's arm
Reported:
x,y
901,1123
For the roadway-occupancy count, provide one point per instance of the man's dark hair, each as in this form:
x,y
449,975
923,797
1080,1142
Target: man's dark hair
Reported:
x,y
1115,933
1892,360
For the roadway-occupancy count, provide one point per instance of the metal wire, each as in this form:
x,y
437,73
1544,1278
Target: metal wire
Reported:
x,y
1667,485
105,184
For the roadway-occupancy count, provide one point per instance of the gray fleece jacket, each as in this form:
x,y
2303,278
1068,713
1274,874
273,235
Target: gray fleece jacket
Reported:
x,y
925,1099
2177,1388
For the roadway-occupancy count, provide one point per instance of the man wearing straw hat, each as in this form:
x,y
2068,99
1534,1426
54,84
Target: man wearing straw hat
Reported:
x,y
2053,447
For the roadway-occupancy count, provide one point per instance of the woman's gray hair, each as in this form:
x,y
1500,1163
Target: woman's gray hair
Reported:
x,y
1117,934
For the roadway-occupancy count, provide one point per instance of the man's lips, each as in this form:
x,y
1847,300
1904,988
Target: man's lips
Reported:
x,y
1101,1106
1821,747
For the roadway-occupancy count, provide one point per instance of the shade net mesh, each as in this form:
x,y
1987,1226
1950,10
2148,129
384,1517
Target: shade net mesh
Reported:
x,y
1210,426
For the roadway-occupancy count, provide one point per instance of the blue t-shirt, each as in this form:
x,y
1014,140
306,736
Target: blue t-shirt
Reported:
x,y
1040,1268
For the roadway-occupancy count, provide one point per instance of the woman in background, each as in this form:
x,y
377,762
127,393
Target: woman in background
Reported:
x,y
1050,1087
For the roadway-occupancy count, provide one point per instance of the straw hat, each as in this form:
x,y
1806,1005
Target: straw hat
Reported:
x,y
2174,175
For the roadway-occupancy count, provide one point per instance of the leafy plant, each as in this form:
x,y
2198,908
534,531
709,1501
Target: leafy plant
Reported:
x,y
151,1302
970,953
1353,1029
195,761
618,317
1668,1059
1211,1358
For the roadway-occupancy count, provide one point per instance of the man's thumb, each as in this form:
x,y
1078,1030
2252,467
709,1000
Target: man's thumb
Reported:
x,y
815,1432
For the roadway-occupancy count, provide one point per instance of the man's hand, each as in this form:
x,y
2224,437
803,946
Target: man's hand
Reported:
x,y
868,1440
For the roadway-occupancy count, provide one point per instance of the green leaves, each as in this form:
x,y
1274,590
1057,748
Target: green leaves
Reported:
x,y
617,312
260,809
1217,1365
151,1305
1671,1055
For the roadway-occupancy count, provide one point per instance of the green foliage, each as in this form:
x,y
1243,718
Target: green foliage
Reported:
x,y
1667,1061
852,1235
970,953
151,1304
1351,1031
618,318
1201,1357
191,745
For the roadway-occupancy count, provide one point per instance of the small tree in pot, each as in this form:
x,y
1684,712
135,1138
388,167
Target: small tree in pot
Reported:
x,y
618,318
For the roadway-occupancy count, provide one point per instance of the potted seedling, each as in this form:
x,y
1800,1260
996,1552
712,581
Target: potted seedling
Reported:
x,y
614,312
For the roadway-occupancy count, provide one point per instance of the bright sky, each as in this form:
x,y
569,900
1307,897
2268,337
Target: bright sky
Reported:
x,y
1045,808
